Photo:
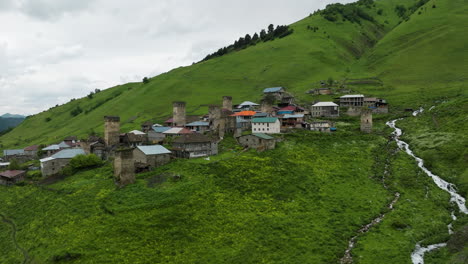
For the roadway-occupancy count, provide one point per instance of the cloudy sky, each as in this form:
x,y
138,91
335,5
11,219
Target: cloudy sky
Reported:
x,y
55,50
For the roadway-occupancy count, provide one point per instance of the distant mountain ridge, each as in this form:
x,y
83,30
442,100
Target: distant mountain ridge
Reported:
x,y
10,121
8,115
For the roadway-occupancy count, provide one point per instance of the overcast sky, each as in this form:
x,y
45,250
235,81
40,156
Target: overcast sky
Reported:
x,y
55,50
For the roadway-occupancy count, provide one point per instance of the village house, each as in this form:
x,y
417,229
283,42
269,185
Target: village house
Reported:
x,y
325,109
55,163
198,126
146,126
31,151
94,145
292,121
291,110
10,154
177,131
71,141
322,126
258,141
51,150
188,119
377,105
133,139
322,91
352,100
194,146
151,156
277,92
247,105
11,177
267,125
246,115
156,135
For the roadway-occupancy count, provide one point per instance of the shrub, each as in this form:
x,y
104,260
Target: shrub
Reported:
x,y
76,111
48,119
85,161
14,165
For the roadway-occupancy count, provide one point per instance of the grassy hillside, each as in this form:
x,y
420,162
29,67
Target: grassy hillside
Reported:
x,y
297,62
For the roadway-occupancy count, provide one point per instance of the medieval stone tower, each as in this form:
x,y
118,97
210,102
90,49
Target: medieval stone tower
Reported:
x,y
214,115
124,167
227,102
179,114
266,107
111,130
366,121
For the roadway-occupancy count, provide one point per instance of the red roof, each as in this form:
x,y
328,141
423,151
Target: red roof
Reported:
x,y
185,131
11,173
245,113
31,148
170,120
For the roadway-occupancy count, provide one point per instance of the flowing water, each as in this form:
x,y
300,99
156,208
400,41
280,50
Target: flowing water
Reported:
x,y
417,256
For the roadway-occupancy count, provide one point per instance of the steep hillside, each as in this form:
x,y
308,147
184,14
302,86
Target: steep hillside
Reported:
x,y
297,62
299,203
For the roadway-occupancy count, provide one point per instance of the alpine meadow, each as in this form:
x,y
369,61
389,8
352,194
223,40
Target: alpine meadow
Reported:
x,y
339,197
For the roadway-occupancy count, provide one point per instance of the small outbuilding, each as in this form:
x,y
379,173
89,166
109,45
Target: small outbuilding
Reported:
x,y
53,164
194,146
11,177
151,156
258,141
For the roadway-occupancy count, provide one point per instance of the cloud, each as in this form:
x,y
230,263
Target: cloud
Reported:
x,y
55,50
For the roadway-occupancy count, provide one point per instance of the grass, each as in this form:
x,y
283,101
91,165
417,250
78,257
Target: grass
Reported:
x,y
299,203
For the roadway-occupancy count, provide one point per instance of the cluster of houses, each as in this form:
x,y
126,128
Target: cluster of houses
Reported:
x,y
184,136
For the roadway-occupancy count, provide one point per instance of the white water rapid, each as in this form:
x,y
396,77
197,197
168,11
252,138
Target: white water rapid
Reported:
x,y
417,256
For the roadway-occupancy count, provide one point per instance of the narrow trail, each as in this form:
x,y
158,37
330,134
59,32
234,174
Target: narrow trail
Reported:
x,y
348,258
417,257
13,237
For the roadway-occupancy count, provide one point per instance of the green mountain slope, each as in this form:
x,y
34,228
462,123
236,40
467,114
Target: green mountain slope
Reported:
x,y
300,203
297,62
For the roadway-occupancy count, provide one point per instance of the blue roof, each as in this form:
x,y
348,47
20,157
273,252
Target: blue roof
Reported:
x,y
265,120
293,116
198,123
261,115
154,150
161,129
285,112
68,154
273,90
11,152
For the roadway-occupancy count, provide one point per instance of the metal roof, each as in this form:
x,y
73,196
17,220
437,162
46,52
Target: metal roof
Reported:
x,y
265,120
4,164
52,147
63,145
161,129
177,130
137,132
154,150
293,116
325,104
261,115
11,152
68,154
198,123
273,90
352,96
11,173
263,136
247,103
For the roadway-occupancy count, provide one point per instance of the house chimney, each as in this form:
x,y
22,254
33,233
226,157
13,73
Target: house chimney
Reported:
x,y
124,167
179,114
227,102
111,130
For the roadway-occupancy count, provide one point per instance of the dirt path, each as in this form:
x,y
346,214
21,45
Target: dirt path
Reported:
x,y
13,237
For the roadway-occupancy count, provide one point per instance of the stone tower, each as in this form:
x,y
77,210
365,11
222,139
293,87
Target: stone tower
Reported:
x,y
111,130
124,167
366,121
214,115
266,107
179,114
227,102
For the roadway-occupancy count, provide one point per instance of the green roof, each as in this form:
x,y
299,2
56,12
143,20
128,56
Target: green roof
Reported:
x,y
264,136
265,120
